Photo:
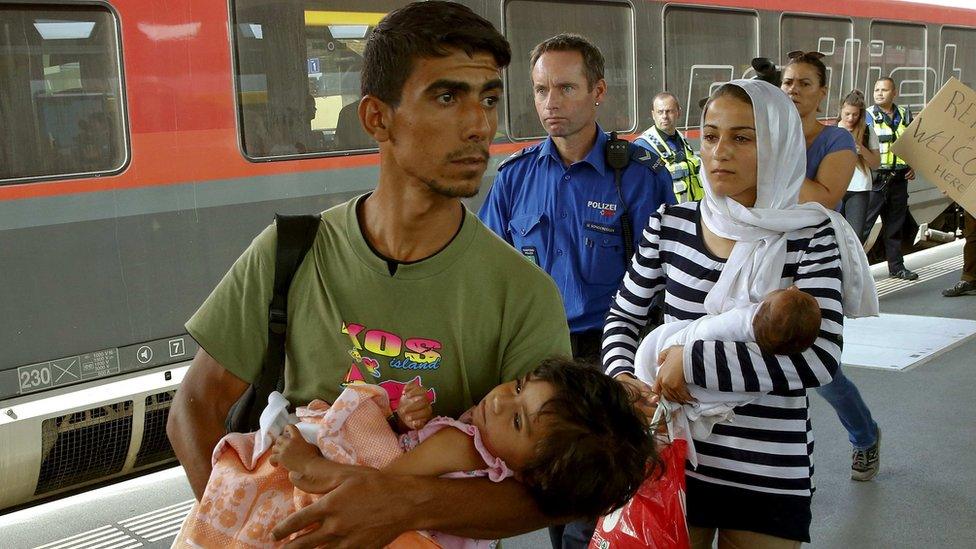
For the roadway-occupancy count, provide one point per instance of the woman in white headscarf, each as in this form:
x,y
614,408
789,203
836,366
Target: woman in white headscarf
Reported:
x,y
747,237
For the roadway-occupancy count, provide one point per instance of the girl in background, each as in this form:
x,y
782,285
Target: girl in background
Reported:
x,y
852,118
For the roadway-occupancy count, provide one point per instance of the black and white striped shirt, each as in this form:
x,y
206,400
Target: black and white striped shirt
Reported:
x,y
767,447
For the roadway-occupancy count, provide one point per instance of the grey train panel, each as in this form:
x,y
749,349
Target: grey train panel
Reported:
x,y
92,282
74,289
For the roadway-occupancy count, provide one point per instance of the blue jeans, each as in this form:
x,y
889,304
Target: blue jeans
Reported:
x,y
853,413
855,210
575,535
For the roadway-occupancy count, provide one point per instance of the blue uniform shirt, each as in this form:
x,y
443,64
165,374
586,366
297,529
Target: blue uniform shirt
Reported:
x,y
567,219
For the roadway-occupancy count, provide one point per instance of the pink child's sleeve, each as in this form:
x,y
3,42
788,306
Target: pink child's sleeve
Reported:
x,y
495,468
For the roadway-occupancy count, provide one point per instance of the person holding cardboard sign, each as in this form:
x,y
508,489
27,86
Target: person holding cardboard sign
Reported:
x,y
967,284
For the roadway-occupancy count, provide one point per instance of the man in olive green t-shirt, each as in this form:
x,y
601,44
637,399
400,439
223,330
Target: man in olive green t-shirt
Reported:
x,y
463,320
406,278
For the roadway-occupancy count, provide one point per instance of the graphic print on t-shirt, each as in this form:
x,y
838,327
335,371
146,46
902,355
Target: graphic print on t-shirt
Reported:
x,y
398,353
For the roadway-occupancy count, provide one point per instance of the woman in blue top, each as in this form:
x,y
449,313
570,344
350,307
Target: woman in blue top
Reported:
x,y
831,158
830,150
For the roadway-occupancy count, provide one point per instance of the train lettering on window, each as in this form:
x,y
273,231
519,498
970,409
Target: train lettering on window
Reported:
x,y
833,37
902,56
696,62
958,56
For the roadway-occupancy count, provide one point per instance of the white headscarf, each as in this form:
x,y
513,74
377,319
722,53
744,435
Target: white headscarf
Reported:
x,y
755,266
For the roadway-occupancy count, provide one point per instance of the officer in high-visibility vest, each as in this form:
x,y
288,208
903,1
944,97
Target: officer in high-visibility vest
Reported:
x,y
889,195
664,140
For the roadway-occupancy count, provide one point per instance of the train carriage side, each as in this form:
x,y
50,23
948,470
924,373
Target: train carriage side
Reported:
x,y
145,142
125,194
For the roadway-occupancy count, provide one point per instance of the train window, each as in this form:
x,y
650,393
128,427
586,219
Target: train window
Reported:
x,y
959,55
609,26
835,39
898,50
297,69
60,92
696,62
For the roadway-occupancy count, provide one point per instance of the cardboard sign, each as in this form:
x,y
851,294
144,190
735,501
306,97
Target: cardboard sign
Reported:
x,y
940,143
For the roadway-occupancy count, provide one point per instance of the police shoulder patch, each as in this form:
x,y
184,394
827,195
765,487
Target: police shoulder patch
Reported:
x,y
526,152
647,158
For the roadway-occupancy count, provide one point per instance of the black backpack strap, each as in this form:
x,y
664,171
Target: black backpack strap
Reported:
x,y
296,233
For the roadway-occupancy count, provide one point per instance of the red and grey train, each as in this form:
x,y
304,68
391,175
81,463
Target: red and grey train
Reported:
x,y
143,143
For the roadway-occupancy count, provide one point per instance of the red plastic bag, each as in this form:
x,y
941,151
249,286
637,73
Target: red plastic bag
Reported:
x,y
655,517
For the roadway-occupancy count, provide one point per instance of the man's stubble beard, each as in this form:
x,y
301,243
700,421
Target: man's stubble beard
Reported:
x,y
454,191
458,190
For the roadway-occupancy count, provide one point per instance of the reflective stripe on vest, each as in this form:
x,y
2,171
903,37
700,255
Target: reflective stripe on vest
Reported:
x,y
684,173
887,136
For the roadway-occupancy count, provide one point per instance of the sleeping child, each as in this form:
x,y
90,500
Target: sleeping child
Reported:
x,y
785,322
568,432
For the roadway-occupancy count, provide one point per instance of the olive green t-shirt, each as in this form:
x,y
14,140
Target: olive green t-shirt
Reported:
x,y
472,316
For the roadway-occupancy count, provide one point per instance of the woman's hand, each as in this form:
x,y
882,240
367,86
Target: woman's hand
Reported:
x,y
670,382
646,400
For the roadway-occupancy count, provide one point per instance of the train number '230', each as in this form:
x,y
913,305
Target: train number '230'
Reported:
x,y
34,377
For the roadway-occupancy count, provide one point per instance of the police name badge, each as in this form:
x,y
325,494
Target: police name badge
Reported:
x,y
531,254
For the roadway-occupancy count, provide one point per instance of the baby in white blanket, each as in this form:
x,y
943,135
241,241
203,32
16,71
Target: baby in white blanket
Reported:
x,y
785,322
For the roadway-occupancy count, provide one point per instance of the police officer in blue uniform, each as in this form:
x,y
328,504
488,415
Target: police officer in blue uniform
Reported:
x,y
559,202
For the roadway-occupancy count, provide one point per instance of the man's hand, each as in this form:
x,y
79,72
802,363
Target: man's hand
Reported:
x,y
910,174
670,382
360,507
646,399
415,409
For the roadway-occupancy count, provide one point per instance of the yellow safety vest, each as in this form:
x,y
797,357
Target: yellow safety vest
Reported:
x,y
888,135
684,173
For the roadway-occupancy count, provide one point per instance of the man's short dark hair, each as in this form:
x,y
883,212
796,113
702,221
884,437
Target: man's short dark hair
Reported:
x,y
597,449
665,95
887,78
419,30
592,58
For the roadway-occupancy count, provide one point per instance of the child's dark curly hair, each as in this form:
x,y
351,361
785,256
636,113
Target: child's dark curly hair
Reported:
x,y
597,449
